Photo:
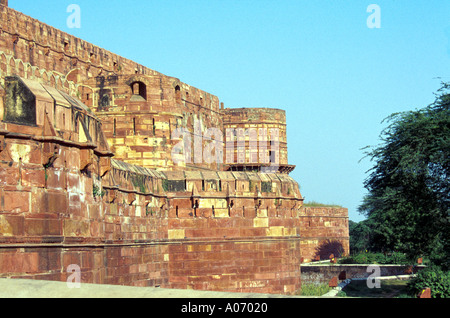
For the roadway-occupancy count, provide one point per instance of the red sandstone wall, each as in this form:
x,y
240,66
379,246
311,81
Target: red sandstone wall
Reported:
x,y
142,132
324,231
117,265
50,223
141,128
244,266
115,220
120,231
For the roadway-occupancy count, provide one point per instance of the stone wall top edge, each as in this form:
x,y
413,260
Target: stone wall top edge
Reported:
x,y
325,207
66,35
251,116
71,38
253,109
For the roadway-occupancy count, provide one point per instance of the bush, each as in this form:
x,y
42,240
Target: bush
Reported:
x,y
364,258
431,277
376,258
367,258
397,258
440,259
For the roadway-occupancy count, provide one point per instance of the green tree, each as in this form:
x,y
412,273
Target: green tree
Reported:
x,y
408,186
360,233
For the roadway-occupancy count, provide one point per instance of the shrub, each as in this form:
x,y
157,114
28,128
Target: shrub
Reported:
x,y
364,258
440,259
431,277
397,258
376,258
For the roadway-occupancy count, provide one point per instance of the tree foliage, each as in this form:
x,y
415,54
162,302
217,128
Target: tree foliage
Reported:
x,y
409,188
360,233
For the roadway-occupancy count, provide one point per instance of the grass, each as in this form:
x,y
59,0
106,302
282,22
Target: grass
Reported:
x,y
318,204
389,289
314,289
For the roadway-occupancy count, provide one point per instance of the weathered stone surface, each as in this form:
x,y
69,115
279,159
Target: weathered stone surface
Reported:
x,y
89,176
324,232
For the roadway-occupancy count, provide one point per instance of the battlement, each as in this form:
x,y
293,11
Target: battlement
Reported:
x,y
36,44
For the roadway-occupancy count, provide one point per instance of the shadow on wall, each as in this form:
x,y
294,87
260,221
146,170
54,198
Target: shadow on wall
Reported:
x,y
328,247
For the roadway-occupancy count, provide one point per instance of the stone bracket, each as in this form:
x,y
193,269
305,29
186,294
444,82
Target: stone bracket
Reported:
x,y
50,153
105,165
2,143
86,158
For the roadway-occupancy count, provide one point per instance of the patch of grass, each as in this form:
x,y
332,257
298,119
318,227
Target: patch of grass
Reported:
x,y
318,204
314,289
388,289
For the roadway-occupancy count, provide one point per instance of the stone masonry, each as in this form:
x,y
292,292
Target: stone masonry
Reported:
x,y
95,173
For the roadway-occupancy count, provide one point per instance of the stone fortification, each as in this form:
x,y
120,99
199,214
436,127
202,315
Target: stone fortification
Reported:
x,y
93,174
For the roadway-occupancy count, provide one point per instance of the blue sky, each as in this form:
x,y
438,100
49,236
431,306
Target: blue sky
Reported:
x,y
336,78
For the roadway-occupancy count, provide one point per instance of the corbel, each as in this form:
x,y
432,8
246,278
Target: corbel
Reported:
x,y
2,143
131,198
50,153
111,195
105,166
194,197
258,198
86,159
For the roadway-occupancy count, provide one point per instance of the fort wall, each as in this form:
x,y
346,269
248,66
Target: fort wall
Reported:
x,y
87,176
324,231
64,201
138,123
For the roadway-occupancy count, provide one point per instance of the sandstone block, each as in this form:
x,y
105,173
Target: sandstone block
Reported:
x,y
176,234
42,227
16,201
260,222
